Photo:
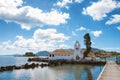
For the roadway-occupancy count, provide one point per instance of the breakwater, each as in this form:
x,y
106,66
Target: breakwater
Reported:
x,y
25,66
38,59
48,63
89,62
77,62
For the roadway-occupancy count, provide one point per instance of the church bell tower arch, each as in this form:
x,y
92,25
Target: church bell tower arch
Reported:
x,y
77,51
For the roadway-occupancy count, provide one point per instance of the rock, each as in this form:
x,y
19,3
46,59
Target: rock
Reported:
x,y
18,67
25,66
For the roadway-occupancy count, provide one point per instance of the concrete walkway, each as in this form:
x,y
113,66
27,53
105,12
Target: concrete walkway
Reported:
x,y
111,71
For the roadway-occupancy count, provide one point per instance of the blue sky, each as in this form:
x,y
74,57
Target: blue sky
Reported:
x,y
36,25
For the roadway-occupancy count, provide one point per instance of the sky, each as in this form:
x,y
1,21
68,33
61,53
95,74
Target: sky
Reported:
x,y
37,25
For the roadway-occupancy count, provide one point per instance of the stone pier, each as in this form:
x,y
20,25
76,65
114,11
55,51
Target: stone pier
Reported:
x,y
111,71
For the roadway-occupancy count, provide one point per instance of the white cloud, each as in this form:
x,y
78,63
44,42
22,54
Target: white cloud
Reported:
x,y
97,33
0,46
41,40
81,29
11,3
98,10
115,19
78,1
118,27
28,16
63,3
74,34
64,46
49,35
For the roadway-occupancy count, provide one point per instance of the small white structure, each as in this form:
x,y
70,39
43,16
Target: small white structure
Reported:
x,y
78,54
63,54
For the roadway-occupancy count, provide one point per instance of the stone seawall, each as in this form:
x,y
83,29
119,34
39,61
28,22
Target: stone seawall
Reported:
x,y
25,66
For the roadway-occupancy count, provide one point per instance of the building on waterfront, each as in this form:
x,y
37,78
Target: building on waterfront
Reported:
x,y
63,54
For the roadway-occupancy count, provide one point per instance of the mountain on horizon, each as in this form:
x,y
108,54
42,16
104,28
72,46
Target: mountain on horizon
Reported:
x,y
96,49
46,53
42,53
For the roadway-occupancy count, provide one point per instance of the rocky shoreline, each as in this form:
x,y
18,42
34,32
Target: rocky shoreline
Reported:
x,y
38,60
48,63
25,66
90,62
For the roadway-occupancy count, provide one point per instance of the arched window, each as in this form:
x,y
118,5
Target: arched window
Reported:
x,y
53,55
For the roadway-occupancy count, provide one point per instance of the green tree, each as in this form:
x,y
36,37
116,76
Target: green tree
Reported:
x,y
29,54
87,42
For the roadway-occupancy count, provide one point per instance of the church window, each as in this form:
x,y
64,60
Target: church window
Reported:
x,y
50,55
53,55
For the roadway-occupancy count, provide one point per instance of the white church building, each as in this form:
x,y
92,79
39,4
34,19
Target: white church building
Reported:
x,y
63,54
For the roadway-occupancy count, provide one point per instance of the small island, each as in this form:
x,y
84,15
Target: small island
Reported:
x,y
29,54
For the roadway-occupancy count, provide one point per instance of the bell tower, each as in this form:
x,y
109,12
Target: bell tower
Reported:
x,y
77,51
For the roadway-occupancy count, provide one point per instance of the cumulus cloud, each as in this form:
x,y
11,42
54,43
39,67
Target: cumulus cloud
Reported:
x,y
41,40
115,19
118,27
64,3
78,1
98,10
27,16
11,3
81,29
64,46
97,33
49,35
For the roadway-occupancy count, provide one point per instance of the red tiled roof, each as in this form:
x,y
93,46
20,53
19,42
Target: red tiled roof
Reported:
x,y
62,52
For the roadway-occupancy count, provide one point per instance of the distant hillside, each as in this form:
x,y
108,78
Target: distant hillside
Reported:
x,y
42,53
94,49
46,53
17,55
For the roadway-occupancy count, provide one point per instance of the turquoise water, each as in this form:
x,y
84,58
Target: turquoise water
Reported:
x,y
63,72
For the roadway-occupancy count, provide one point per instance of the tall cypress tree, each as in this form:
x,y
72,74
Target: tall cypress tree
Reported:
x,y
87,42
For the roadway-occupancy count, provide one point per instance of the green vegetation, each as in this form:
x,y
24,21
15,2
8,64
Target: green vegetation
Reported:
x,y
115,54
29,54
101,54
87,41
106,54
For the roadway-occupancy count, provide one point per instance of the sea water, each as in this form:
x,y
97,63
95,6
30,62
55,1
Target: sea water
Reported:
x,y
62,72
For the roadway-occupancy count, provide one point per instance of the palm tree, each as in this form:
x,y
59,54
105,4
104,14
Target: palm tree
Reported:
x,y
87,42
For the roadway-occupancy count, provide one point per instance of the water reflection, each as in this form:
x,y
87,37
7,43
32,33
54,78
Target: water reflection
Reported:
x,y
89,74
73,72
63,72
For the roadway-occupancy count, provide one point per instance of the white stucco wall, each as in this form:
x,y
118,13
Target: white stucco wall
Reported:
x,y
57,57
77,52
66,57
